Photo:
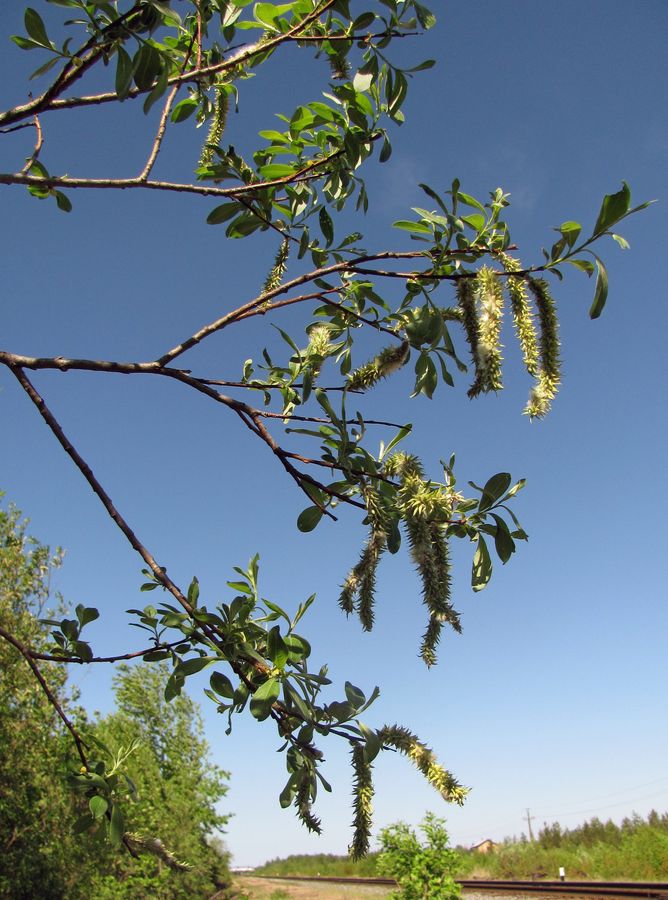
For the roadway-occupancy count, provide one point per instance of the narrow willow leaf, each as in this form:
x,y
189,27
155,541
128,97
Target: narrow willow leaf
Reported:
x,y
482,566
600,291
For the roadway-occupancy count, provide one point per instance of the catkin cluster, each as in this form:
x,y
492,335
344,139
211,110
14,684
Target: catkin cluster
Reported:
x,y
424,511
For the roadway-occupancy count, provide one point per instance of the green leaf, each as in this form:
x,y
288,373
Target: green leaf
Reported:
x,y
399,436
583,264
222,213
116,826
482,566
196,664
298,647
494,489
570,232
355,696
83,823
623,243
468,200
264,698
82,650
147,67
193,592
86,614
184,109
503,542
425,16
326,226
288,792
277,649
156,655
174,685
35,28
42,70
600,291
416,227
222,685
309,518
272,171
26,44
98,806
613,208
124,73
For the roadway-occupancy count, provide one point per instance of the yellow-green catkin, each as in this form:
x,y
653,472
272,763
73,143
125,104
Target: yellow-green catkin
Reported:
x,y
303,801
548,378
425,509
520,306
489,296
362,803
155,847
381,366
217,126
277,271
361,580
467,305
425,761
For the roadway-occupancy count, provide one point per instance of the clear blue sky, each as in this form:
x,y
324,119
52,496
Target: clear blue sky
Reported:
x,y
554,696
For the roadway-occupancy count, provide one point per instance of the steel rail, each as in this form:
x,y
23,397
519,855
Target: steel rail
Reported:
x,y
648,889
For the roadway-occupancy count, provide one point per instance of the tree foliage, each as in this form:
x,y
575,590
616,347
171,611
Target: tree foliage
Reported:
x,y
171,787
457,273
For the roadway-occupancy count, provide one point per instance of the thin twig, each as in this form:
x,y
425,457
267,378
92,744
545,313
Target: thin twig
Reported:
x,y
50,657
39,140
162,126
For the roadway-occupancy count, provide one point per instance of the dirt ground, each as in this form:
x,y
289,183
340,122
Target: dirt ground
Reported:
x,y
276,889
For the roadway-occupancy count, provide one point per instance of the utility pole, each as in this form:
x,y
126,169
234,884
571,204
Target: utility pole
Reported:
x,y
529,819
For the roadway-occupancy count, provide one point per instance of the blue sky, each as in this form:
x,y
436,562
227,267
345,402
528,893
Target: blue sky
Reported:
x,y
553,698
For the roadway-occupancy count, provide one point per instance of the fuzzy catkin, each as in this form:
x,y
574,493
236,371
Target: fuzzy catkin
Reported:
x,y
217,127
362,803
425,761
525,328
549,372
277,270
381,366
489,296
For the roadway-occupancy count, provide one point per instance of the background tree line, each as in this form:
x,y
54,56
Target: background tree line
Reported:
x,y
635,849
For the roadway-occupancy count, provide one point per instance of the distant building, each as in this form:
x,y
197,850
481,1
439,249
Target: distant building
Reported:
x,y
486,846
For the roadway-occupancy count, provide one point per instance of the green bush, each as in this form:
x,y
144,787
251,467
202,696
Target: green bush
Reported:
x,y
421,870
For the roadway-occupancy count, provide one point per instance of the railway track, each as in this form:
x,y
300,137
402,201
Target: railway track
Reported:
x,y
653,890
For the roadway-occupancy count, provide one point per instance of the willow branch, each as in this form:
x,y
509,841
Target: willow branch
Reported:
x,y
97,488
71,73
50,657
264,298
51,697
250,416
